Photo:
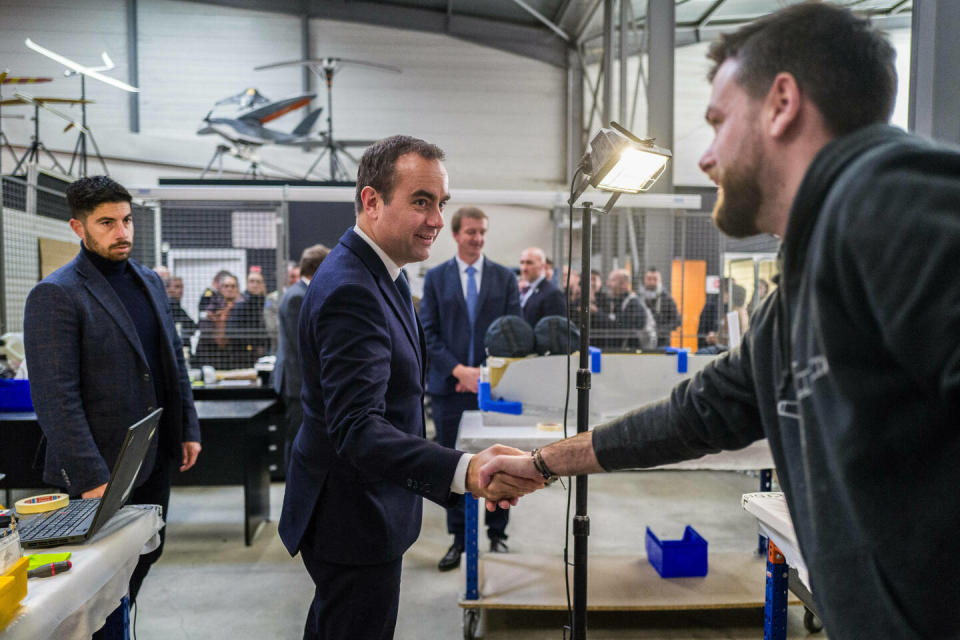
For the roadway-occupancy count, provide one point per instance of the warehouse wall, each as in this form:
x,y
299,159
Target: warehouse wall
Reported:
x,y
498,116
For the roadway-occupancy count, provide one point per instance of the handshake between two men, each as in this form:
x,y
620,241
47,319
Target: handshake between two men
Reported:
x,y
502,475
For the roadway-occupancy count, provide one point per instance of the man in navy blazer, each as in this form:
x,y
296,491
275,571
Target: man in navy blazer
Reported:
x,y
287,379
103,353
461,298
542,297
360,463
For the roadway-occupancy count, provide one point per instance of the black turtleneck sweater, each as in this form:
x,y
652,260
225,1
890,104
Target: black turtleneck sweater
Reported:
x,y
132,293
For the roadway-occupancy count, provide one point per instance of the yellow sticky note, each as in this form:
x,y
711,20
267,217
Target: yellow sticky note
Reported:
x,y
40,559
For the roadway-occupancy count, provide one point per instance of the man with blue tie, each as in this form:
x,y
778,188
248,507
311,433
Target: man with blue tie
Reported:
x,y
542,297
461,298
360,464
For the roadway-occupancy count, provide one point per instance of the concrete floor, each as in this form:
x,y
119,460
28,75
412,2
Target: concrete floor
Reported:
x,y
209,585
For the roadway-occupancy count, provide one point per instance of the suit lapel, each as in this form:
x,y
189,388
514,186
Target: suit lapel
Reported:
x,y
101,290
387,287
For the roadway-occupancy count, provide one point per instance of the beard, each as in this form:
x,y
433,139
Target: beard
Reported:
x,y
105,252
740,198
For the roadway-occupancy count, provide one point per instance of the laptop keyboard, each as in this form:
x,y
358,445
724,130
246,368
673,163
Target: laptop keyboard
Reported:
x,y
74,519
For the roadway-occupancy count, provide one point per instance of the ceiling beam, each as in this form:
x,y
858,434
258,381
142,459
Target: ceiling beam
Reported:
x,y
527,41
542,18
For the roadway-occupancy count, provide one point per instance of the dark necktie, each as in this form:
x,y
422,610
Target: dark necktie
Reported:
x,y
404,289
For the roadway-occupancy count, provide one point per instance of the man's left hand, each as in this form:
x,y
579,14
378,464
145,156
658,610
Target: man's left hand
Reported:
x,y
190,452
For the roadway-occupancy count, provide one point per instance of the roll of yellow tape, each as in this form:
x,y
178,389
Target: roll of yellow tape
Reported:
x,y
39,504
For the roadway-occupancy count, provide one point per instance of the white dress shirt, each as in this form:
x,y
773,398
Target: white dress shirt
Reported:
x,y
459,482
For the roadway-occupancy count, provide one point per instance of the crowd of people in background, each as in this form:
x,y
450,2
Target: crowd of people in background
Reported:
x,y
624,320
233,328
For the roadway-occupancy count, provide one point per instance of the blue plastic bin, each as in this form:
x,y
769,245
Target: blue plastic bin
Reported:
x,y
15,395
684,558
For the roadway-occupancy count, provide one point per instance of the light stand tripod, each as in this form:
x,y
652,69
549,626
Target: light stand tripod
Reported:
x,y
80,149
618,162
338,171
247,154
326,68
32,154
581,521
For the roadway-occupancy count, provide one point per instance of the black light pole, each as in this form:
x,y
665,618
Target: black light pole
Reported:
x,y
606,157
581,521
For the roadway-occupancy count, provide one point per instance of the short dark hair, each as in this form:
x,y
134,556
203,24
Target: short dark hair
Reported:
x,y
474,213
653,270
379,160
311,258
837,58
86,194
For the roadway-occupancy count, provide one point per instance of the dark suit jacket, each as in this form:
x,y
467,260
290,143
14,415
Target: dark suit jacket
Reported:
x,y
360,461
287,378
546,300
446,324
89,377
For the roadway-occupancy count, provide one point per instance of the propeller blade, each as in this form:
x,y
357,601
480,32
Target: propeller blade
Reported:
x,y
372,65
70,64
60,114
315,63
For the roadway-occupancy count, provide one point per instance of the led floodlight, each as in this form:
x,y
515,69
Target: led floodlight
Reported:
x,y
621,162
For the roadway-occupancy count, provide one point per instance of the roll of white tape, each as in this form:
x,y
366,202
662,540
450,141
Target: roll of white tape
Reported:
x,y
39,504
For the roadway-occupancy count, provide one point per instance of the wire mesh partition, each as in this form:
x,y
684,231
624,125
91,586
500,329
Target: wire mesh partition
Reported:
x,y
227,264
37,238
660,279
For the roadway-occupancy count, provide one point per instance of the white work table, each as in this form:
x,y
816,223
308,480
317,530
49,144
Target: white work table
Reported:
x,y
73,605
770,509
773,516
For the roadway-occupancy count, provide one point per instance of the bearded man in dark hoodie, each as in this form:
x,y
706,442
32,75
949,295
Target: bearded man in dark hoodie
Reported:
x,y
851,368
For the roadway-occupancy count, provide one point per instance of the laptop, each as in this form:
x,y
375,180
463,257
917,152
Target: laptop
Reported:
x,y
79,520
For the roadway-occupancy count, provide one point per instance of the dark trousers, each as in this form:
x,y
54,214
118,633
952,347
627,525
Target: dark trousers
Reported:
x,y
447,410
352,601
155,490
293,418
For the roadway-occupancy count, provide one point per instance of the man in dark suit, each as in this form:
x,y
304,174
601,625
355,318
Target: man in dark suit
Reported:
x,y
287,378
542,297
360,462
174,285
461,297
104,353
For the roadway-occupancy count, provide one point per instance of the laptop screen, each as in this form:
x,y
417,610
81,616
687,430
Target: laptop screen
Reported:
x,y
126,468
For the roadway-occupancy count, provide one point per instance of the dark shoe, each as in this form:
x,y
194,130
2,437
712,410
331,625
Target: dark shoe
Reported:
x,y
498,545
451,560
